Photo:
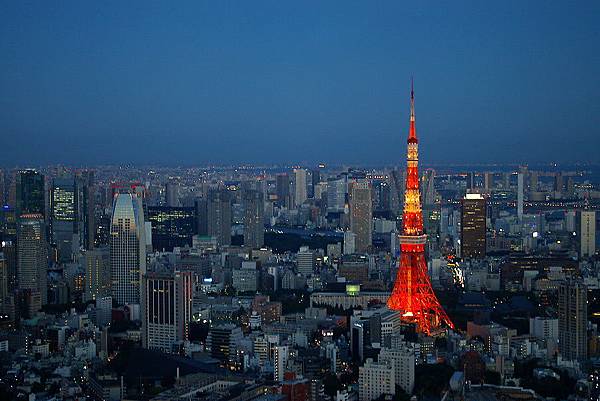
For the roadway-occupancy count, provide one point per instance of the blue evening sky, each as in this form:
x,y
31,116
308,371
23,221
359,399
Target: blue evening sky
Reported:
x,y
177,82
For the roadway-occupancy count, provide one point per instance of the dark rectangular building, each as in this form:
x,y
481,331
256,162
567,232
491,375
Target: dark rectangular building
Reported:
x,y
172,226
473,227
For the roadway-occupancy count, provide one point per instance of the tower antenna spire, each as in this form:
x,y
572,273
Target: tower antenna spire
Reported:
x,y
412,99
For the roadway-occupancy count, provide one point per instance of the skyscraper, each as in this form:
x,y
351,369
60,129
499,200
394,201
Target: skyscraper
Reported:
x,y
413,296
336,194
361,214
305,259
488,179
428,187
30,193
32,255
520,193
127,248
300,186
254,216
587,233
63,216
86,205
171,194
219,215
166,309
172,226
97,273
572,320
473,227
282,188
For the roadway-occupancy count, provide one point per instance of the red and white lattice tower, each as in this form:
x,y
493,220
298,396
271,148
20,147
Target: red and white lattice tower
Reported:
x,y
413,295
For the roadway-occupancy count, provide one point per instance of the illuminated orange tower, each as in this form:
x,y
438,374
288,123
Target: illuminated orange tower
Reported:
x,y
413,295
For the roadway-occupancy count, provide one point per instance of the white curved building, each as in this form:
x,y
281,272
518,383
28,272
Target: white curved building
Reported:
x,y
127,248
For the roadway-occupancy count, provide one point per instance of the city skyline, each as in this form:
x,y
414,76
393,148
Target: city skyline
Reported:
x,y
224,84
233,201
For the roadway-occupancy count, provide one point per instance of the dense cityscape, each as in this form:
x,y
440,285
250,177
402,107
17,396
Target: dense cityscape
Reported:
x,y
299,201
300,282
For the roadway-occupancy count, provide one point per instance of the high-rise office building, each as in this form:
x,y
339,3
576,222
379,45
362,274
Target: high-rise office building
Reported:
x,y
488,181
127,248
300,194
587,233
305,259
403,359
429,193
254,216
30,193
361,214
86,205
223,344
32,255
63,217
171,194
315,180
336,195
520,194
97,273
376,379
172,226
282,189
470,181
572,320
103,311
219,215
280,359
166,309
473,227
349,243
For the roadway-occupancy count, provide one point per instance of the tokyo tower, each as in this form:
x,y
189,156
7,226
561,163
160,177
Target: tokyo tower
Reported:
x,y
413,295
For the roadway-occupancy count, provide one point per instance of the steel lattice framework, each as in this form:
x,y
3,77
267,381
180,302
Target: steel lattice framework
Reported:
x,y
413,295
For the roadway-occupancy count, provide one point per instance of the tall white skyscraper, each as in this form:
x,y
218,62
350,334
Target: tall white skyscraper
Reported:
x,y
127,248
587,233
300,187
